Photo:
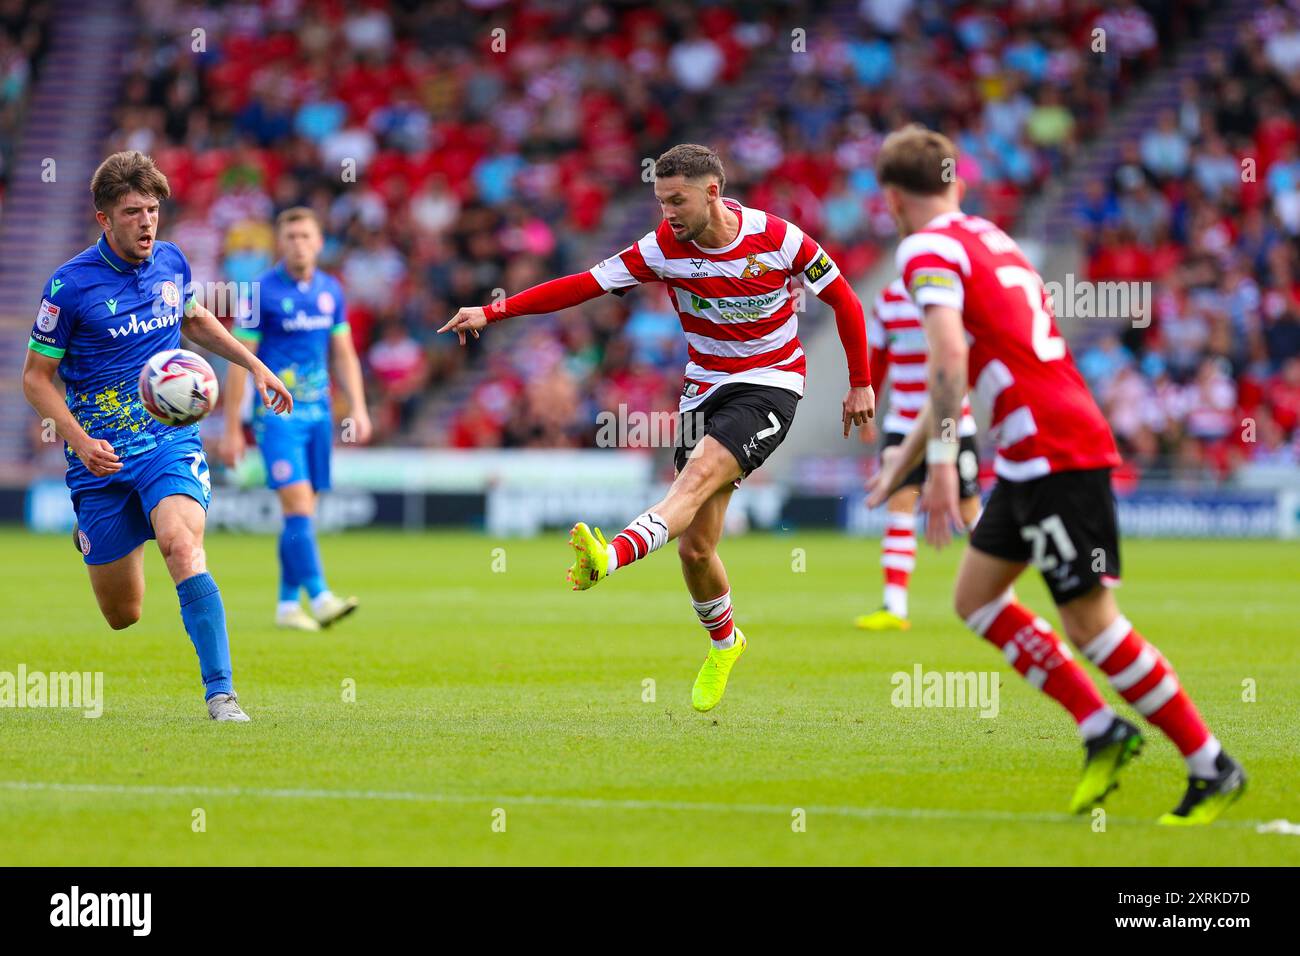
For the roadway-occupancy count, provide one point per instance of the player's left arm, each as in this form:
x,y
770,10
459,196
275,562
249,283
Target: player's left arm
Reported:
x,y
344,356
859,405
822,277
205,330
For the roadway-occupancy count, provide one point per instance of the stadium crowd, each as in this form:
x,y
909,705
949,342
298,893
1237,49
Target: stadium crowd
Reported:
x,y
453,150
24,39
1206,207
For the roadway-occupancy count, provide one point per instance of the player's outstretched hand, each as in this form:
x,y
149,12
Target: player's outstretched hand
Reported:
x,y
858,408
98,457
274,394
361,429
939,504
880,485
469,319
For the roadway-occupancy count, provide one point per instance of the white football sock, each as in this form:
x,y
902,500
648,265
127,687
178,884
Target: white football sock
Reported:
x,y
1095,724
1200,762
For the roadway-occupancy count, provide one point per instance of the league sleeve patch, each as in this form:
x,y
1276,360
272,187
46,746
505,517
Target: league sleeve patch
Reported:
x,y
48,316
932,279
820,266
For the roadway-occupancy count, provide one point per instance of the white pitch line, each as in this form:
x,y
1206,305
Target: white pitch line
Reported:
x,y
575,803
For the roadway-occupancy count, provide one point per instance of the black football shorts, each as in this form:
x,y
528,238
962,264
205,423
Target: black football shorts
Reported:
x,y
750,421
1064,524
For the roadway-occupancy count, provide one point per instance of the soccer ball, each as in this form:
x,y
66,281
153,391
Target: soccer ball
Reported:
x,y
178,387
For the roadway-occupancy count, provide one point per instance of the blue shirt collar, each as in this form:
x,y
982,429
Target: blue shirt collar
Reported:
x,y
116,261
290,280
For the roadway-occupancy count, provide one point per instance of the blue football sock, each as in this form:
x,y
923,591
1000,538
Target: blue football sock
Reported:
x,y
288,582
303,555
205,622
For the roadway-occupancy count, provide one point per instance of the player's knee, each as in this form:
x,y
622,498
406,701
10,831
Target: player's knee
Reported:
x,y
962,607
966,603
123,616
179,544
1080,631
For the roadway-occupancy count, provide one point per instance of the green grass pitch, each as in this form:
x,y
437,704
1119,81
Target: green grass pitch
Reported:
x,y
486,693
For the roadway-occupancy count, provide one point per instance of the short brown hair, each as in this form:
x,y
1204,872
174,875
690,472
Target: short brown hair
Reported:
x,y
128,171
296,214
917,160
691,161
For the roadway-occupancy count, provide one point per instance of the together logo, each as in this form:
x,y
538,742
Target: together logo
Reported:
x,y
946,689
80,690
103,909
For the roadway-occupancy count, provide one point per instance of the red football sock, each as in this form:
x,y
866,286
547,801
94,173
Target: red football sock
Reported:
x,y
1031,647
647,533
1142,676
716,616
898,558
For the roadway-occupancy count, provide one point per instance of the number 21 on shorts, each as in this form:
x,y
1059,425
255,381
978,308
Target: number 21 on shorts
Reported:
x,y
1037,536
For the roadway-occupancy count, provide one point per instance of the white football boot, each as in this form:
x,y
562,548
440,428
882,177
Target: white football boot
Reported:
x,y
226,707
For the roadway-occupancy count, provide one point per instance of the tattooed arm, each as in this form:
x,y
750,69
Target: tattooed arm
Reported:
x,y
946,338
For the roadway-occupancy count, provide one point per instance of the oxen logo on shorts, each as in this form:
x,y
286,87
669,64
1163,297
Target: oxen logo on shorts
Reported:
x,y
751,446
83,541
281,470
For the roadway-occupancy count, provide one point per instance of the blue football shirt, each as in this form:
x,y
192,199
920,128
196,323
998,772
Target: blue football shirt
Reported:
x,y
102,318
291,322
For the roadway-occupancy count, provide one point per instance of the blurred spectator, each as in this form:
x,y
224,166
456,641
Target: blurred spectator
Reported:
x,y
1218,238
398,364
1164,149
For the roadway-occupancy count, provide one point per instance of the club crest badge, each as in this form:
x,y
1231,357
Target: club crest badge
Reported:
x,y
753,268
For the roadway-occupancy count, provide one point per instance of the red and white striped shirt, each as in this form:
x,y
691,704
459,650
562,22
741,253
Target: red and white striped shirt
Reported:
x,y
1044,419
735,303
897,341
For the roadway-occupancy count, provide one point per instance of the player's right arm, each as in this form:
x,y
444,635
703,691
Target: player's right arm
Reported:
x,y
897,462
548,297
934,268
51,336
614,274
48,400
946,339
